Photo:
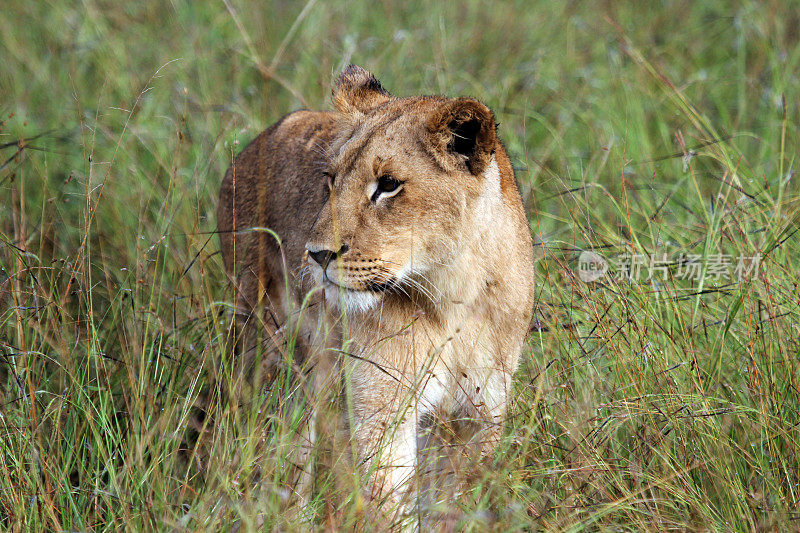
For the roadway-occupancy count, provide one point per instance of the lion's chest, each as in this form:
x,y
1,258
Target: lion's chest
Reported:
x,y
428,360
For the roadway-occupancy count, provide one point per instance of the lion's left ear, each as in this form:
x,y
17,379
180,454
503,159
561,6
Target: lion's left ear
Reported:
x,y
465,128
357,90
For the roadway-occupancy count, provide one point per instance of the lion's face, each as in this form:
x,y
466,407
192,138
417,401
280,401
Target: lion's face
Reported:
x,y
405,177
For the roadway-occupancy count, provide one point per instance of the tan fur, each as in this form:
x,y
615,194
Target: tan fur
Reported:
x,y
437,278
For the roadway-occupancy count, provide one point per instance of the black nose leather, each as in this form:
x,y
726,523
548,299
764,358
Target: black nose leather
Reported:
x,y
323,257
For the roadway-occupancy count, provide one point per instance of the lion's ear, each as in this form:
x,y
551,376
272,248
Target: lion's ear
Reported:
x,y
358,90
465,128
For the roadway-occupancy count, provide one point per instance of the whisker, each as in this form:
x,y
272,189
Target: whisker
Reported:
x,y
421,289
426,291
387,277
424,278
303,273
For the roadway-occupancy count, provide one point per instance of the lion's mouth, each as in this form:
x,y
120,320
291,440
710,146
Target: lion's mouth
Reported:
x,y
368,286
328,282
381,286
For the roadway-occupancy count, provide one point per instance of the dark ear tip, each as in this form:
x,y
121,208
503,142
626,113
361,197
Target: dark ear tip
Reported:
x,y
352,73
356,88
352,67
354,76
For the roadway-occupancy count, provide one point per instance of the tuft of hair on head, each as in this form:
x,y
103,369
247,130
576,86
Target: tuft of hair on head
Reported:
x,y
357,91
464,129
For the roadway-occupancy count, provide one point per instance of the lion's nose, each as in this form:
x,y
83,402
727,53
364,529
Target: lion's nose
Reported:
x,y
323,257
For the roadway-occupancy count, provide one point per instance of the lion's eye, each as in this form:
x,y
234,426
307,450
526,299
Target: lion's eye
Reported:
x,y
386,187
387,183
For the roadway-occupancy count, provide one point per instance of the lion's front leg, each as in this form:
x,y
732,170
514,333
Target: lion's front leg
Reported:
x,y
385,423
484,402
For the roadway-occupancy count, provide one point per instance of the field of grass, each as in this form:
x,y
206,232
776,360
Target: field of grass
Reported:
x,y
664,132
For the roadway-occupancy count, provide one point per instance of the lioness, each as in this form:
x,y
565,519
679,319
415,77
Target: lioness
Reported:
x,y
405,212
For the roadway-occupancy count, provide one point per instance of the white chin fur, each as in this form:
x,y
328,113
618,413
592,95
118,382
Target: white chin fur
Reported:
x,y
353,301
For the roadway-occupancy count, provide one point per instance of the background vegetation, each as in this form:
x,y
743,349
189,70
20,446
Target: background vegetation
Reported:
x,y
636,128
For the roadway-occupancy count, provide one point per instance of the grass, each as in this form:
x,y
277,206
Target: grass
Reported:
x,y
649,404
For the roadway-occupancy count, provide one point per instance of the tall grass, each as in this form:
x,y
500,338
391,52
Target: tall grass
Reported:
x,y
658,128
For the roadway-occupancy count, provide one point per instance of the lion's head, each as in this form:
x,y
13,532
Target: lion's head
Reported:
x,y
412,180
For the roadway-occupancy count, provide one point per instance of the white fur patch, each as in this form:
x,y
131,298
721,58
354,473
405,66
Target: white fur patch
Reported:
x,y
492,176
491,199
354,301
433,392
